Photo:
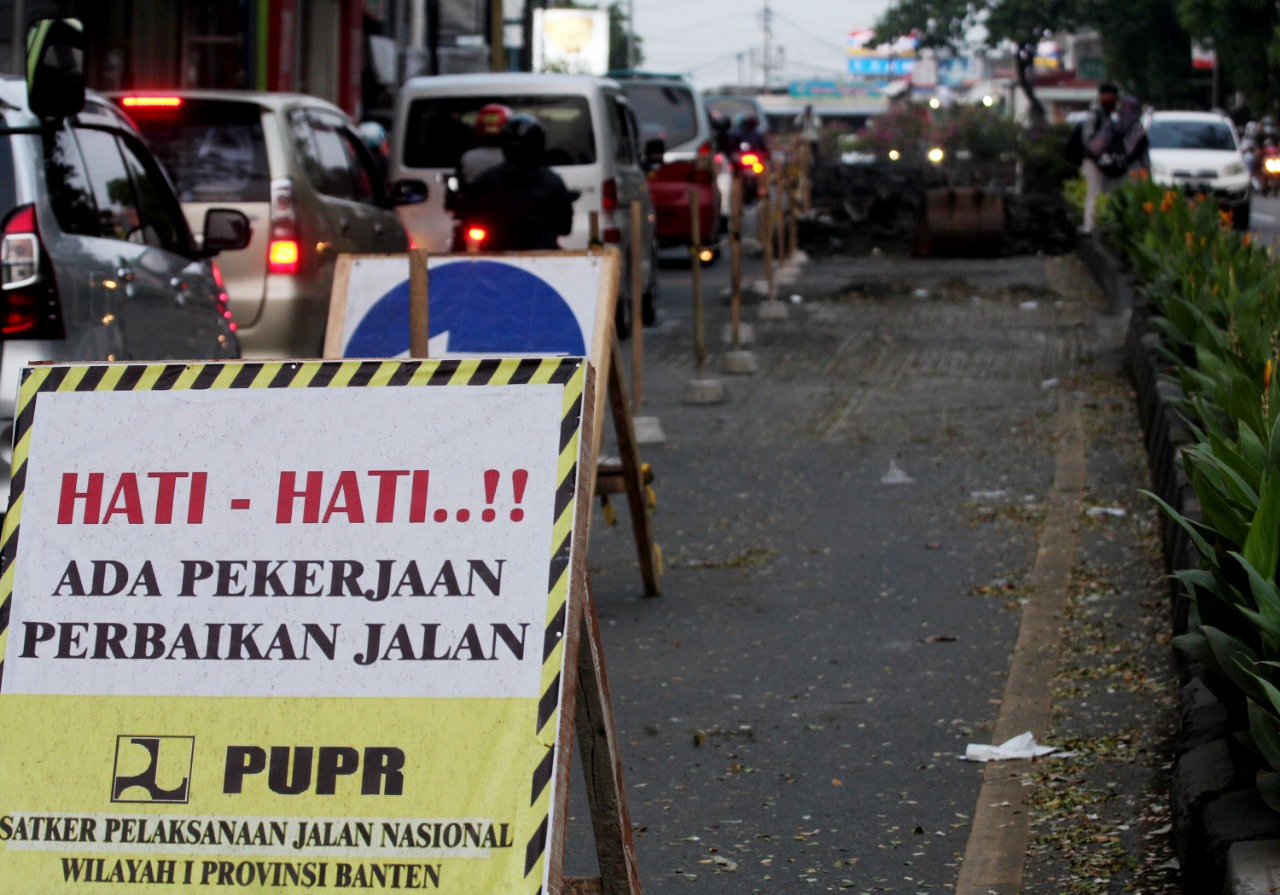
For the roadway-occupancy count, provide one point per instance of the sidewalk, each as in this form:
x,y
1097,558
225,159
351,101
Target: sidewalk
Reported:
x,y
792,708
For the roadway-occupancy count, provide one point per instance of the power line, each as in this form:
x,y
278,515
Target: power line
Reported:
x,y
839,48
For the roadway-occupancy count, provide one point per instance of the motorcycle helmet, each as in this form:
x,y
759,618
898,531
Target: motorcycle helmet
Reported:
x,y
490,119
523,140
374,136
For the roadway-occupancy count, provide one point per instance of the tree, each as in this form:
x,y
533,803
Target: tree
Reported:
x,y
618,39
1245,35
1148,53
1024,23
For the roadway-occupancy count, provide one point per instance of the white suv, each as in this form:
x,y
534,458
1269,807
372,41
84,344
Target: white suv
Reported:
x,y
1199,152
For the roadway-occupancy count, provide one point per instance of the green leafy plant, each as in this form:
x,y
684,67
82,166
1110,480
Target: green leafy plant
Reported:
x,y
1213,293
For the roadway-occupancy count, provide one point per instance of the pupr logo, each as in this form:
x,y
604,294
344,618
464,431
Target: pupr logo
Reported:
x,y
152,769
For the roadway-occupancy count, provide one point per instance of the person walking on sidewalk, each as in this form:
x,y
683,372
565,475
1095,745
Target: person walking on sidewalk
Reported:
x,y
810,127
1082,137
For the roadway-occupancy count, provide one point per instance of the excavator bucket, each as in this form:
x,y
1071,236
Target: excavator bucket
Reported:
x,y
961,221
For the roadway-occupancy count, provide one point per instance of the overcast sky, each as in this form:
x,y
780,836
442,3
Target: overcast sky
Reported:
x,y
705,37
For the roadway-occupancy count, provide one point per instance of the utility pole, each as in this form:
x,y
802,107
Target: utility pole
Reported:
x,y
767,62
631,34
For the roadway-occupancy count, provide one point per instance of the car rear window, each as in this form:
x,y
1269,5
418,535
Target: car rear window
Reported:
x,y
439,129
664,111
214,149
733,107
1190,135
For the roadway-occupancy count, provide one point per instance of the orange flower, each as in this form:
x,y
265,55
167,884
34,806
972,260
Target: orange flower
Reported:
x,y
1226,219
1141,174
1189,238
1266,375
1247,240
1148,207
1166,203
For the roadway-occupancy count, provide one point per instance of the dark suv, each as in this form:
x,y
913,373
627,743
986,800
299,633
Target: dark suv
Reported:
x,y
667,108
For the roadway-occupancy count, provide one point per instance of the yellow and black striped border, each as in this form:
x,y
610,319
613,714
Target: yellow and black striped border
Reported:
x,y
567,372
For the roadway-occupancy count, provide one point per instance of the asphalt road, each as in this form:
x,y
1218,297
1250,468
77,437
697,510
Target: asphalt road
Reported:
x,y
1264,218
792,708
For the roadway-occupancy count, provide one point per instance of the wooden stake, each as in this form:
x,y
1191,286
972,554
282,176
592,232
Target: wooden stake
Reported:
x,y
778,221
792,211
735,258
593,230
695,265
765,226
419,311
637,306
806,175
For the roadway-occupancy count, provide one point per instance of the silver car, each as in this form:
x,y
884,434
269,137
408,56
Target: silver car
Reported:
x,y
296,165
97,262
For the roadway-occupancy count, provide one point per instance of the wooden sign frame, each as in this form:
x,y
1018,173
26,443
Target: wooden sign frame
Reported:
x,y
627,476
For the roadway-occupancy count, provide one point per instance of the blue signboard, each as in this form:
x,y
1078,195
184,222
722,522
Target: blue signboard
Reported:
x,y
880,66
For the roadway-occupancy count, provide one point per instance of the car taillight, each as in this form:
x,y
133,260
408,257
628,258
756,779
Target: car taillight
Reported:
x,y
31,308
224,301
609,204
152,102
20,249
475,238
284,252
282,256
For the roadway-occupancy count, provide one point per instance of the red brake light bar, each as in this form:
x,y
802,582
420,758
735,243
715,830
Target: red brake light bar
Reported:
x,y
151,102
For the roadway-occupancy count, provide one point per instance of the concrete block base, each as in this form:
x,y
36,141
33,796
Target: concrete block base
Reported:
x,y
773,310
746,334
648,430
705,391
740,362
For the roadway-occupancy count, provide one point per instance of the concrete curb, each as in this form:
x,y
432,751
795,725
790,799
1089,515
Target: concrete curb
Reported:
x,y
1227,839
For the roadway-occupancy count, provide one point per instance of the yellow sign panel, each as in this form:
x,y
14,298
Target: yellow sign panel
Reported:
x,y
287,626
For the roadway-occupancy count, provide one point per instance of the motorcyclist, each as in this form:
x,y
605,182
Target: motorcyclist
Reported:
x,y
746,134
521,203
488,149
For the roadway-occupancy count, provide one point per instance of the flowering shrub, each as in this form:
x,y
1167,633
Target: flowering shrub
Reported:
x,y
1213,293
904,128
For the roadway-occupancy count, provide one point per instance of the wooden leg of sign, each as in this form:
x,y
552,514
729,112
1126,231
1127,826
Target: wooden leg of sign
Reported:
x,y
633,476
602,766
419,323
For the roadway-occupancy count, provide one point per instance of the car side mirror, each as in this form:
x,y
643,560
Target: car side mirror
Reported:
x,y
55,67
225,229
655,152
408,192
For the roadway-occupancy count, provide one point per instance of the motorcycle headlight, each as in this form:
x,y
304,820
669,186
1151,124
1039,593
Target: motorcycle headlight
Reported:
x,y
1272,165
936,155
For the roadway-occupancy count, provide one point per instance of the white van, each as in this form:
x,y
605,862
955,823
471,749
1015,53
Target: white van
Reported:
x,y
592,143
